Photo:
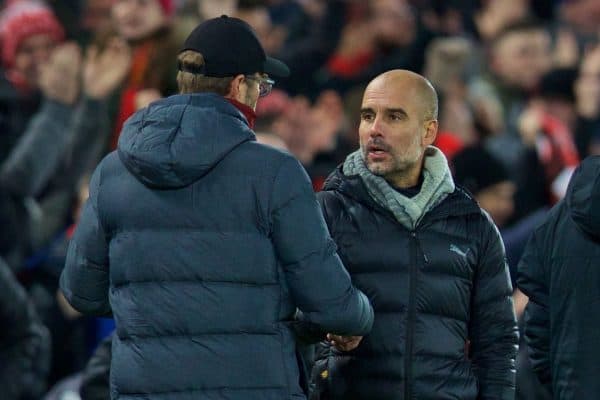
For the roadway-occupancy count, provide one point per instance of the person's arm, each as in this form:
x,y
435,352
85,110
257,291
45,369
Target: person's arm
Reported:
x,y
318,281
66,138
37,155
103,71
24,344
85,278
90,129
531,281
35,158
493,328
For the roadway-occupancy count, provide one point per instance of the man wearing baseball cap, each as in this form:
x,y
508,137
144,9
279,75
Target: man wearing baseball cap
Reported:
x,y
208,248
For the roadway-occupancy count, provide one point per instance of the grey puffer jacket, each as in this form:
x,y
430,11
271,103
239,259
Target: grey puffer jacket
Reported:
x,y
203,244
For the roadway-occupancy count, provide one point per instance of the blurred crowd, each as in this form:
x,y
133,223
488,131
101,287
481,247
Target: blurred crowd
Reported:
x,y
518,82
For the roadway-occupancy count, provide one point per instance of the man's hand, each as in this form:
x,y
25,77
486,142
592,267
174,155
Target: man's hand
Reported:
x,y
344,343
103,71
530,123
60,77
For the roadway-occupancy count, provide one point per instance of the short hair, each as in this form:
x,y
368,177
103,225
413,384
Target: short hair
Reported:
x,y
429,99
189,82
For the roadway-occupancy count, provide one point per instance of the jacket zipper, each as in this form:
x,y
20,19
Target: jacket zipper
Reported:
x,y
411,319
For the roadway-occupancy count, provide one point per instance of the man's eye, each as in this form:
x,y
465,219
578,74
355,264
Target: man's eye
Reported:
x,y
396,117
367,117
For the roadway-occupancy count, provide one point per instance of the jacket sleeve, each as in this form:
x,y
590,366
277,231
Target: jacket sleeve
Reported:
x,y
90,130
59,145
493,328
37,155
24,344
318,281
85,278
531,281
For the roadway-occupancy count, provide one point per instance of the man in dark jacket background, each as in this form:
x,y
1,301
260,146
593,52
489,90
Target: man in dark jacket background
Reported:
x,y
560,272
430,260
203,243
24,342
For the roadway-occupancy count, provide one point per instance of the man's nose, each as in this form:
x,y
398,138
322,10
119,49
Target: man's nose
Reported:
x,y
376,127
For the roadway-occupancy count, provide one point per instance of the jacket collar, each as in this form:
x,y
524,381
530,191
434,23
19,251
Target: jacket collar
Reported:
x,y
458,203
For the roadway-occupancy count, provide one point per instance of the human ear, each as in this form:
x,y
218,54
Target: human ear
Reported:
x,y
234,87
431,129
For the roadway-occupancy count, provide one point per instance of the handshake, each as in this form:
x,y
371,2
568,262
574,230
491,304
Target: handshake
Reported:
x,y
344,343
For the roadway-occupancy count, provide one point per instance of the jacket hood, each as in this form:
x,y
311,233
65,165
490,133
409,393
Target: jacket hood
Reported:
x,y
583,196
177,140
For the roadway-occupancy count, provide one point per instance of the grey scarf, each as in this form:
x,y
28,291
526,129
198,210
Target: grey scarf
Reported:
x,y
437,184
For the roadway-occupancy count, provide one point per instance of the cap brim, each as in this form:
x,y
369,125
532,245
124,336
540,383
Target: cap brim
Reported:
x,y
274,67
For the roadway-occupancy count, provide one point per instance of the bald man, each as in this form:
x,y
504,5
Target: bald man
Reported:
x,y
430,260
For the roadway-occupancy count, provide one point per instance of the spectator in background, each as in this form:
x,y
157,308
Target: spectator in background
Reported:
x,y
519,55
587,95
483,175
67,136
203,243
147,26
379,36
256,14
549,154
24,343
96,19
28,34
511,124
446,65
430,260
560,275
61,143
313,133
582,17
308,47
556,94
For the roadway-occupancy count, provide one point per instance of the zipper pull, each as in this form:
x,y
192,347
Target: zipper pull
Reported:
x,y
414,234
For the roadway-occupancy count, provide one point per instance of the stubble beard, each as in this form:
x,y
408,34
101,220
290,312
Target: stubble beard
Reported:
x,y
398,166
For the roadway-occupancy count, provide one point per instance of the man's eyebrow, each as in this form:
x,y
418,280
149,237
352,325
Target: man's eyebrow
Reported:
x,y
387,110
396,110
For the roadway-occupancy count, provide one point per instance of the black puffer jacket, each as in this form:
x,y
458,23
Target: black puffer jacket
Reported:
x,y
434,290
560,272
24,342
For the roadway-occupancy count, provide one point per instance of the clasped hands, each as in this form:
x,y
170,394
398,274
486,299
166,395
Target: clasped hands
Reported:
x,y
344,343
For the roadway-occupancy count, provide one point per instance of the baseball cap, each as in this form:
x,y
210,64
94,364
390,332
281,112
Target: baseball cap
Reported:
x,y
230,47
